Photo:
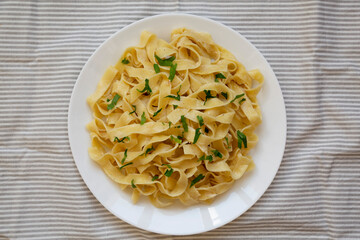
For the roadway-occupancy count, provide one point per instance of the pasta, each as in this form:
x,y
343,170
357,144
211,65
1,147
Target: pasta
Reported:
x,y
175,121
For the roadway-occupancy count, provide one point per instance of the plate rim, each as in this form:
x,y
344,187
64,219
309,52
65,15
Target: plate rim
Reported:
x,y
284,137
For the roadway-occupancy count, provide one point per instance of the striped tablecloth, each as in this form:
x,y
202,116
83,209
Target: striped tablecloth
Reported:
x,y
314,49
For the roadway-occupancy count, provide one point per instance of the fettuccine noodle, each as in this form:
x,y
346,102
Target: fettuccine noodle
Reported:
x,y
175,120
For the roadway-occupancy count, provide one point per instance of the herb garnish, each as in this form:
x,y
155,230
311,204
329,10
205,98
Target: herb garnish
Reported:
x,y
116,139
176,139
175,106
125,61
184,124
108,100
134,106
243,99
208,157
225,95
113,102
197,135
125,156
237,96
241,139
143,119
132,184
156,68
227,142
157,112
170,124
148,151
156,177
175,97
125,165
201,120
172,71
146,89
197,179
220,76
165,62
208,95
169,171
217,153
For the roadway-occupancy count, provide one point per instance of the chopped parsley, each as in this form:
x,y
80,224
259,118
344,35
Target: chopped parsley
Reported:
x,y
197,179
108,100
197,135
176,139
237,96
125,156
175,97
208,95
143,119
156,177
172,71
170,124
227,142
241,139
242,100
175,106
156,68
113,102
125,61
146,89
116,139
157,112
184,124
169,171
132,184
166,61
219,76
217,153
148,151
225,95
134,106
208,157
125,165
201,120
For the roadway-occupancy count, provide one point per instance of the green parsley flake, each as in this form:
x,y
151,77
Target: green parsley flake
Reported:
x,y
125,165
197,179
156,177
220,75
170,124
175,97
201,120
241,139
225,95
172,72
242,100
165,62
125,61
184,124
237,96
208,95
157,112
217,153
132,184
156,68
175,106
143,119
176,139
125,156
148,151
146,89
116,139
134,106
227,142
208,157
113,102
169,171
197,135
108,100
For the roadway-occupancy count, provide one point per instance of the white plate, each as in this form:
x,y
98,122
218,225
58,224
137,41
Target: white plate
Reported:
x,y
180,220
